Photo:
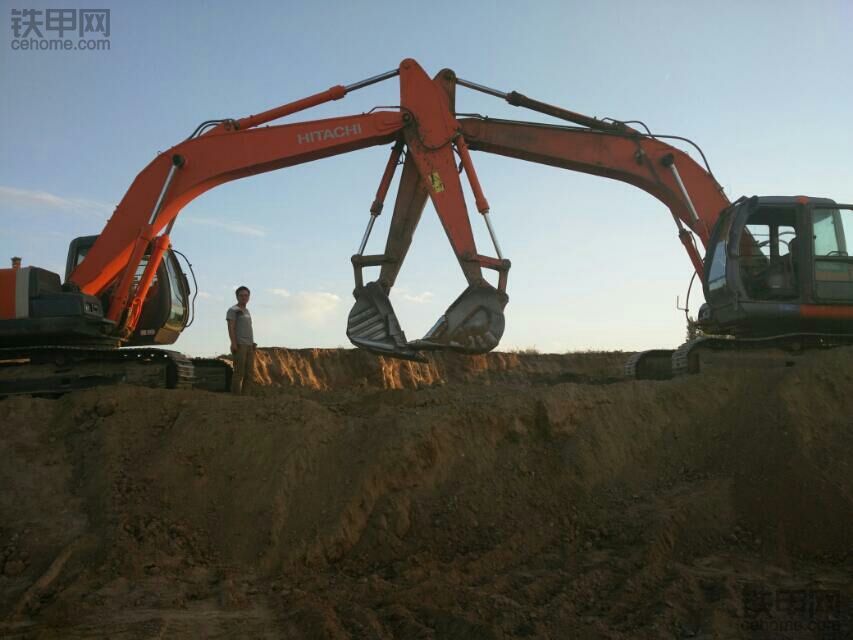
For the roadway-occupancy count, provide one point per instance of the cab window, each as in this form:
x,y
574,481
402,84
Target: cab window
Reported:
x,y
768,254
832,228
717,270
178,310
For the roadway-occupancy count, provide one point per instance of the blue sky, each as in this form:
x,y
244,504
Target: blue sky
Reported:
x,y
763,87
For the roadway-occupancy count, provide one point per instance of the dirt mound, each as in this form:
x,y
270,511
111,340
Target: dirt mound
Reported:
x,y
324,369
532,506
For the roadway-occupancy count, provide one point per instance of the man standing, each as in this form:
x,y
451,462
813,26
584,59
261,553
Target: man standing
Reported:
x,y
242,342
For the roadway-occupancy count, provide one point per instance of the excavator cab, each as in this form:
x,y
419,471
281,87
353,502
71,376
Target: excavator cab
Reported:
x,y
779,264
36,309
166,311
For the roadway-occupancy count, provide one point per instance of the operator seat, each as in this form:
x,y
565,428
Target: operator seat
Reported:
x,y
782,279
794,258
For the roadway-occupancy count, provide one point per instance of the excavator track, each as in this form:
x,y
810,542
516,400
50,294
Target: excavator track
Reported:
x,y
55,370
211,374
655,364
715,353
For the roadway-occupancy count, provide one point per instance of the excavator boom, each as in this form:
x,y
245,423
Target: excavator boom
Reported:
x,y
604,148
634,158
214,159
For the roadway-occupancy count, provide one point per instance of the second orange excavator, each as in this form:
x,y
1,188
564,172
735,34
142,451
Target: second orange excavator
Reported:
x,y
777,274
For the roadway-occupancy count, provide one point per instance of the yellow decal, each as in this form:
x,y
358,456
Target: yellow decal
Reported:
x,y
437,184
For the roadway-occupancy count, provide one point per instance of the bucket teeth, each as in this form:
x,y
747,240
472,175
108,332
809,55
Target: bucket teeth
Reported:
x,y
373,325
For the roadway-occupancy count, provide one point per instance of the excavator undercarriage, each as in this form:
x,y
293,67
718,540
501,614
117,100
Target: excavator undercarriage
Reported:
x,y
719,354
54,370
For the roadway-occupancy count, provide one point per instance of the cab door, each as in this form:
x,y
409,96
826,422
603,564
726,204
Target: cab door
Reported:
x,y
831,240
166,310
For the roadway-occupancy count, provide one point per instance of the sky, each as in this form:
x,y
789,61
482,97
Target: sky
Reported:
x,y
763,87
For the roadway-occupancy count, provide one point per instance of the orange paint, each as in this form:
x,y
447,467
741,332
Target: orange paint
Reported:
x,y
826,311
212,160
635,161
7,293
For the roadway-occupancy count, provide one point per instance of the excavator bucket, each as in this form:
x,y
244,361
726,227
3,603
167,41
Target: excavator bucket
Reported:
x,y
373,325
474,323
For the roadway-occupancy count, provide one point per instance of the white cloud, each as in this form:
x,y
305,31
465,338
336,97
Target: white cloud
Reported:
x,y
403,293
233,227
44,201
311,307
420,298
315,306
204,295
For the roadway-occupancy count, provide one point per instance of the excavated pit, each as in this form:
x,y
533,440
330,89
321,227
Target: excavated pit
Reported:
x,y
502,496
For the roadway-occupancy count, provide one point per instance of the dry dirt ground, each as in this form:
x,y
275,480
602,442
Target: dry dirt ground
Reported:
x,y
506,496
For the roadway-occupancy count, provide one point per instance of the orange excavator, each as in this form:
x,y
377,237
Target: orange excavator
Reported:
x,y
125,286
776,274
